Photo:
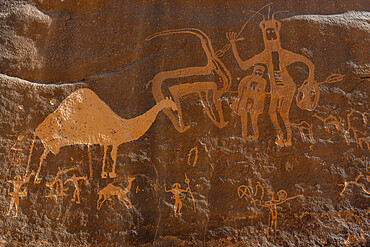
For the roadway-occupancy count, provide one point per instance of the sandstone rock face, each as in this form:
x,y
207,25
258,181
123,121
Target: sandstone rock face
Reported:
x,y
178,123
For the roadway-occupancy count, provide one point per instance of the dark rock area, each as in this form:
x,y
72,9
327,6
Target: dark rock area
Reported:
x,y
78,80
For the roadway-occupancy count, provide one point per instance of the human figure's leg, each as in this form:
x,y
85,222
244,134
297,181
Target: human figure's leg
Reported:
x,y
244,122
274,119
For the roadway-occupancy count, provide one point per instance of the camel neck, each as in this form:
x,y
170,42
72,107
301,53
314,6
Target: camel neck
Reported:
x,y
138,126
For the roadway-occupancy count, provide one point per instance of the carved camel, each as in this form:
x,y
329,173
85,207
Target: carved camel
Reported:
x,y
112,190
83,118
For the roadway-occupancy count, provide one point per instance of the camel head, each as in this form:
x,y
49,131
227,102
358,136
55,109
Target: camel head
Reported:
x,y
168,103
130,179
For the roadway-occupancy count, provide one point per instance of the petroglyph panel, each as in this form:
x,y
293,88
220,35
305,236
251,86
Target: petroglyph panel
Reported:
x,y
184,123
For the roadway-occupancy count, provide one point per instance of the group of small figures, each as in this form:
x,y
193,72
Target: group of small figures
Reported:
x,y
57,190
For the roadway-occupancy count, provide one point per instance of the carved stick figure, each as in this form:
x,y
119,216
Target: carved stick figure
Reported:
x,y
178,196
271,205
57,185
76,194
251,99
283,87
17,193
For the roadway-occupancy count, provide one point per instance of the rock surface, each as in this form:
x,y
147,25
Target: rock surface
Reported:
x,y
208,184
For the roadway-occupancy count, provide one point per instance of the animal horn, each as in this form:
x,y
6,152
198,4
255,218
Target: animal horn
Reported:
x,y
264,17
273,15
268,14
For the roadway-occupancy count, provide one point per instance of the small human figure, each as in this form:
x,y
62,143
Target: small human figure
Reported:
x,y
57,185
76,194
251,99
271,205
17,193
178,196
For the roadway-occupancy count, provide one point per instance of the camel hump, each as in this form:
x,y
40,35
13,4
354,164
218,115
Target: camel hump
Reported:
x,y
82,94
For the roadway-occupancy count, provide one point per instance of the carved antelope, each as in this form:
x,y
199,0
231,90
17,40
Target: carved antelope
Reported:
x,y
83,118
211,90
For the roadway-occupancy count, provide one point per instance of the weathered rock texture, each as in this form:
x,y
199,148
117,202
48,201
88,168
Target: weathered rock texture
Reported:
x,y
235,191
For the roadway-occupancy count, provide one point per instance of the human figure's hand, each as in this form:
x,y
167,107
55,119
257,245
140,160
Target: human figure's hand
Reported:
x,y
233,37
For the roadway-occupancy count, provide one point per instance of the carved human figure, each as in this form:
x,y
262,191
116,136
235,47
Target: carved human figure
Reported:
x,y
18,182
251,100
283,87
178,197
57,186
74,180
271,205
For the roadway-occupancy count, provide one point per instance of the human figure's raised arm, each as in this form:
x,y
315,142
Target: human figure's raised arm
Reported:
x,y
244,65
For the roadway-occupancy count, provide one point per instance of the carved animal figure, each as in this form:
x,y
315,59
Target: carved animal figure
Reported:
x,y
360,137
209,88
302,127
83,118
111,190
331,120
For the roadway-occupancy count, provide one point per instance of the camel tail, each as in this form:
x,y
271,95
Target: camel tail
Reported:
x,y
30,155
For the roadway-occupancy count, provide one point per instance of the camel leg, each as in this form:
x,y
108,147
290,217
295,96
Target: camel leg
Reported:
x,y
114,157
90,161
273,115
43,156
103,173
